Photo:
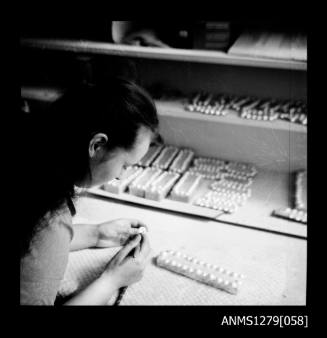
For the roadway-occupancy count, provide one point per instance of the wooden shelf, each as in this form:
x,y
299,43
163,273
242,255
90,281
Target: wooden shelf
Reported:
x,y
270,191
175,109
174,54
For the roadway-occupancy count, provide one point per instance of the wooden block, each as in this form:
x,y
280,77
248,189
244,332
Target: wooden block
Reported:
x,y
143,181
150,156
182,161
160,187
200,271
185,189
165,158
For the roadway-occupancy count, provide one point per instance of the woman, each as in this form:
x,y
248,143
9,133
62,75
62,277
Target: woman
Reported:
x,y
86,138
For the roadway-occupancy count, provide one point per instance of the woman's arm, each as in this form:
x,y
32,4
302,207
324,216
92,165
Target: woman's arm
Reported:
x,y
125,268
104,235
98,292
85,236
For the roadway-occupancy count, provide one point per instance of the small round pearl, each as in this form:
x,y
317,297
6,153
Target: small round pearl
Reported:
x,y
212,277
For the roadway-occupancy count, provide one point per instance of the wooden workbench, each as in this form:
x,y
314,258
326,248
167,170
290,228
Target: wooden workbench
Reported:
x,y
274,265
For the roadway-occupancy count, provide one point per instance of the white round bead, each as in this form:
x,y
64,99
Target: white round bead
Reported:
x,y
212,277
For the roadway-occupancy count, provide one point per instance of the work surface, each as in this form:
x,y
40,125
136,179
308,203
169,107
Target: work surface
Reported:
x,y
274,265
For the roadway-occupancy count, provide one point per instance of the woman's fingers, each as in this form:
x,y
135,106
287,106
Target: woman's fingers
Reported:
x,y
144,247
133,231
126,250
136,252
138,224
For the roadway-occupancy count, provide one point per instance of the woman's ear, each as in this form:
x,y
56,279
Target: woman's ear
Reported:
x,y
96,144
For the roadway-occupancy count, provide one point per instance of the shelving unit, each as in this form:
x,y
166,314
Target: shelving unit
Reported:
x,y
174,54
277,148
174,109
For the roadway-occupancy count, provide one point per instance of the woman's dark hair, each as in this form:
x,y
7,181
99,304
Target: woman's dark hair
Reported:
x,y
55,142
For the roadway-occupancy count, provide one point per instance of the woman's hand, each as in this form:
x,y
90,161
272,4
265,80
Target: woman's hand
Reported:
x,y
127,266
122,270
117,232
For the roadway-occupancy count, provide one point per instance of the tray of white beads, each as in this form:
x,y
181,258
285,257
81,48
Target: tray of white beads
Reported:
x,y
208,167
296,215
200,271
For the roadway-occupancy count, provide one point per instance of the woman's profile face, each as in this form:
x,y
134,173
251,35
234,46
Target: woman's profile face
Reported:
x,y
108,166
